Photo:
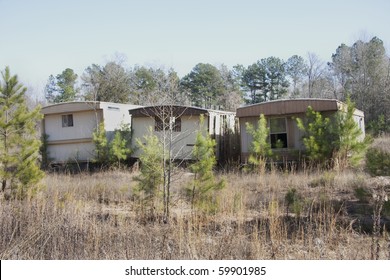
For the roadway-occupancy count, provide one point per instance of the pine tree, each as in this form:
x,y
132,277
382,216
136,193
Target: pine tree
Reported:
x,y
151,177
319,136
204,183
19,146
112,151
261,147
337,140
62,88
99,138
350,145
118,149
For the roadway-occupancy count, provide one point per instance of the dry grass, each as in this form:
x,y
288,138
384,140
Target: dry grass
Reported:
x,y
95,217
382,143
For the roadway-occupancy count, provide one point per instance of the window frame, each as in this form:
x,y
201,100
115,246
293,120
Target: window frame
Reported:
x,y
159,124
67,120
273,134
177,125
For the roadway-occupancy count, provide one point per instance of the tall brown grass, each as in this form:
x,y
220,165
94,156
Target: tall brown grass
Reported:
x,y
95,217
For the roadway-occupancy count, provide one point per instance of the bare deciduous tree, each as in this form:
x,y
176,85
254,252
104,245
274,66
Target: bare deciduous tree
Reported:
x,y
315,72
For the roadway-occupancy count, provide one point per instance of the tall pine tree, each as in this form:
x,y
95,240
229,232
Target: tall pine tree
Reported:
x,y
151,176
62,88
333,142
260,147
100,140
320,134
19,145
351,143
204,185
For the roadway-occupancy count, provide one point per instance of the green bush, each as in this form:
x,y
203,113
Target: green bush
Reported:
x,y
293,200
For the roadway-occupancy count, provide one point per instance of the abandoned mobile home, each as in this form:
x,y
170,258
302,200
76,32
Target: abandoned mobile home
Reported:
x,y
182,124
69,127
283,129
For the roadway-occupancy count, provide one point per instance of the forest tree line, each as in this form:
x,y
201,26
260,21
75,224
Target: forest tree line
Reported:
x,y
361,71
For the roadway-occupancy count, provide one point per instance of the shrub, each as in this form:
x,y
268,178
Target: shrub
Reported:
x,y
292,198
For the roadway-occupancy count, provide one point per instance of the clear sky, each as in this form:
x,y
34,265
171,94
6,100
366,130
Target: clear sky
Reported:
x,y
43,37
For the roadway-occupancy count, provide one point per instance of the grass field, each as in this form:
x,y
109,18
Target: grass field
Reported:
x,y
327,215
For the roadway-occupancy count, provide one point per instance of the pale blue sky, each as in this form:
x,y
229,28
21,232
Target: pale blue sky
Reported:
x,y
43,37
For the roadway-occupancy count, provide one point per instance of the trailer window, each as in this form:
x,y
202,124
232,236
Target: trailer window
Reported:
x,y
169,123
67,120
278,133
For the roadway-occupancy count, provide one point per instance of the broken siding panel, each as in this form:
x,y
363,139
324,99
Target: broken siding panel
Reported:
x,y
231,122
218,124
211,124
360,122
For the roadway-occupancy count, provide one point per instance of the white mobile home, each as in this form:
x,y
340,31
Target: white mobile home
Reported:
x,y
183,122
69,127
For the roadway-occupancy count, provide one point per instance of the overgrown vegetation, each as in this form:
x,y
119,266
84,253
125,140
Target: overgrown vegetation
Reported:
x,y
96,217
120,149
112,151
116,214
335,141
350,144
318,137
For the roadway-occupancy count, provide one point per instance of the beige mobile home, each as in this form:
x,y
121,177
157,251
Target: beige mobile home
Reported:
x,y
69,127
184,123
281,115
